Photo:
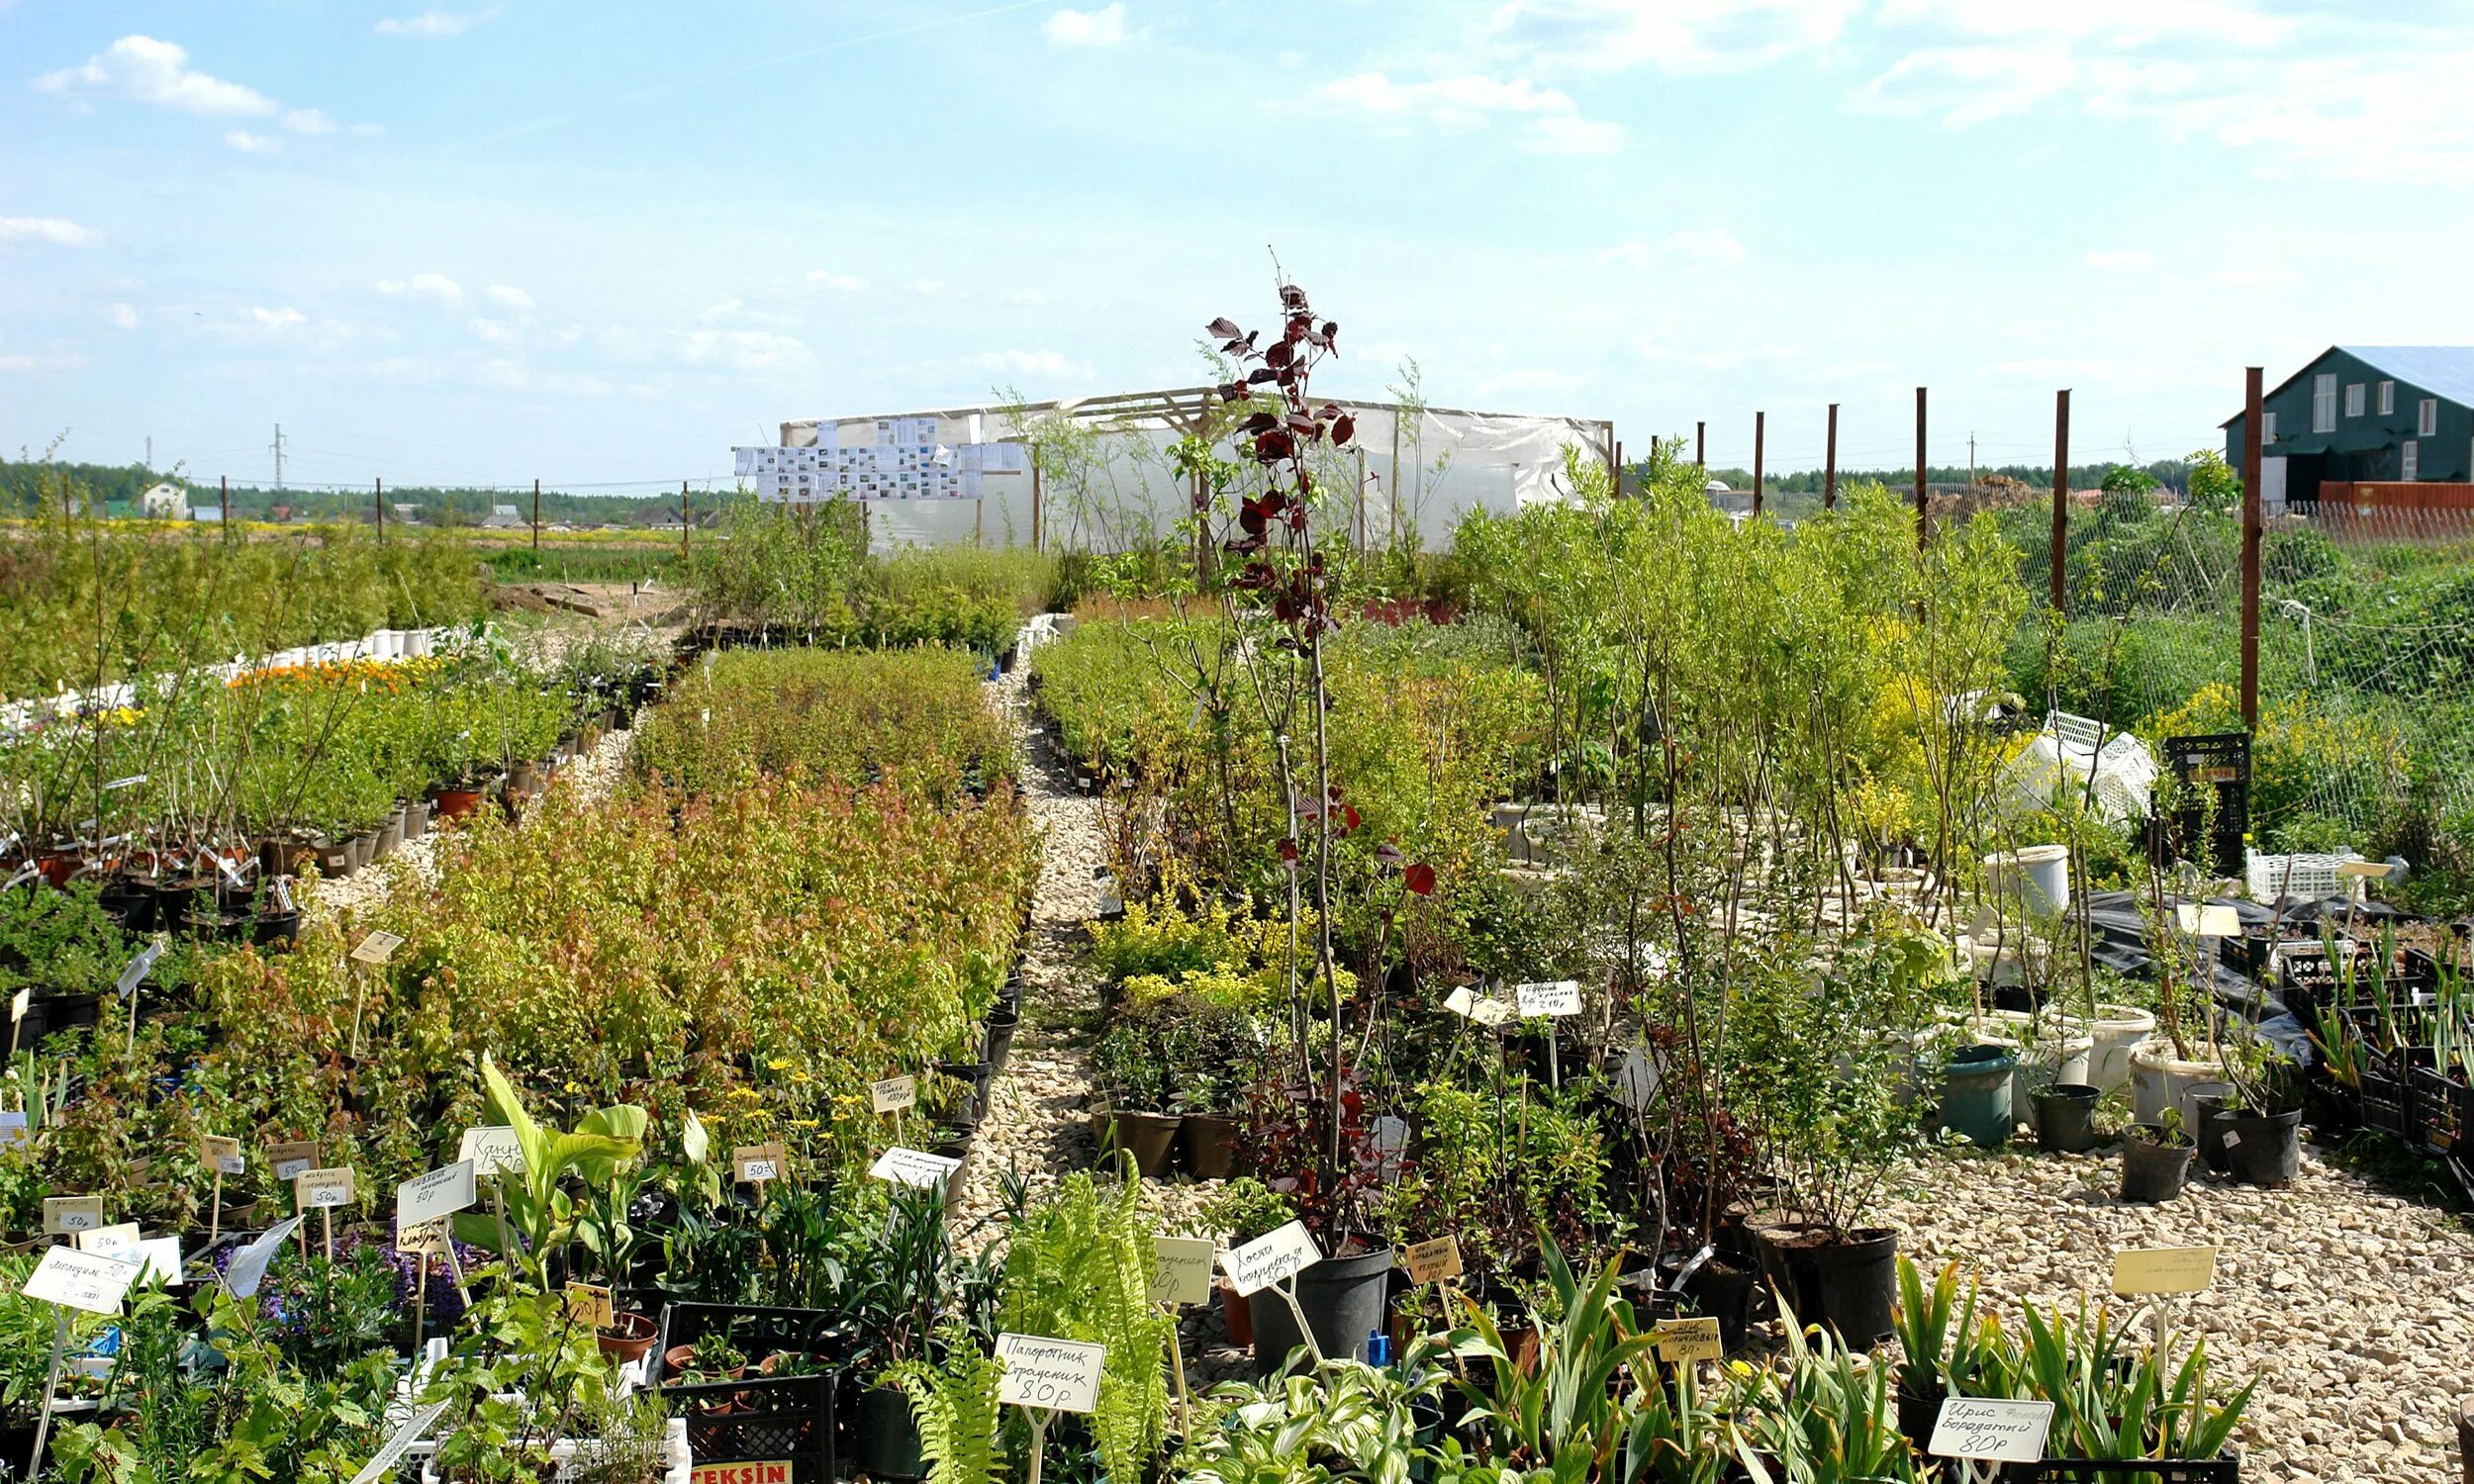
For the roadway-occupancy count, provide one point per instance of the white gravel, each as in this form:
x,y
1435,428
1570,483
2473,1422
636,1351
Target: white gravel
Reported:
x,y
2355,1307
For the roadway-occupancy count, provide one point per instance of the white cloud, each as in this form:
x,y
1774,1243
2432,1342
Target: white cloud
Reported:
x,y
2112,24
495,332
1033,363
308,121
157,72
511,296
1691,247
2123,259
1474,101
743,349
434,22
833,279
54,231
1969,85
435,286
2257,278
122,315
23,360
278,320
1671,36
251,144
1105,27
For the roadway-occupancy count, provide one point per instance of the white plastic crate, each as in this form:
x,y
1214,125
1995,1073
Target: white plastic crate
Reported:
x,y
2312,877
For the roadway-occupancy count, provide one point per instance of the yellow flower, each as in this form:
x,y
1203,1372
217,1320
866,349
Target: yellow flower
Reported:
x,y
780,1064
803,1123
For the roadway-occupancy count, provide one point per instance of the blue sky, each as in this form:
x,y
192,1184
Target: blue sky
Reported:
x,y
602,243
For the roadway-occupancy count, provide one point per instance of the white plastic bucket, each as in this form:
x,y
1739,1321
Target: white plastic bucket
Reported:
x,y
2159,1079
2116,1030
2037,876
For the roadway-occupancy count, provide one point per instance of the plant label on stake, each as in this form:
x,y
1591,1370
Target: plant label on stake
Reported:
x,y
384,1460
69,1279
494,1150
1434,1261
1180,1271
915,1167
434,1196
2163,1270
112,1240
2004,1432
65,1214
1274,1260
323,1190
1683,1340
139,967
591,1304
422,1238
290,1162
1547,997
893,1094
158,1258
223,1157
758,1164
378,947
1044,1377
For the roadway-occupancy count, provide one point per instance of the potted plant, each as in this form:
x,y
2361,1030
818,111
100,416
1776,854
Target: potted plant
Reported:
x,y
1243,1210
2262,1116
2155,1159
1127,1062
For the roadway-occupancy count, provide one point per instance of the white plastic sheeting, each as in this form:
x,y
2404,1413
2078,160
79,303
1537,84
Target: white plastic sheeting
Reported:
x,y
1414,474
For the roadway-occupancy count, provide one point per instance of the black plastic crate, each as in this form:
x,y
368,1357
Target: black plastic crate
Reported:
x,y
2219,760
2440,1111
788,1419
2387,1103
2227,1470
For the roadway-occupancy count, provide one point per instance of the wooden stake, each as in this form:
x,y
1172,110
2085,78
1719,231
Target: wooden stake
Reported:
x,y
50,1387
1039,1421
326,1222
214,1218
1177,1368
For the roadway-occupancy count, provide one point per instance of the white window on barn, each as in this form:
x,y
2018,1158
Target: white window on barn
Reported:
x,y
2388,398
2428,425
2323,402
2353,400
2413,467
2268,427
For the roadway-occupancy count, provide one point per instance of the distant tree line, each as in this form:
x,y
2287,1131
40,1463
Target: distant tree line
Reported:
x,y
120,486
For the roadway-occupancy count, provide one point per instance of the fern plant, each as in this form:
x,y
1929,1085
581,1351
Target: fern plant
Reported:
x,y
955,1405
1079,1268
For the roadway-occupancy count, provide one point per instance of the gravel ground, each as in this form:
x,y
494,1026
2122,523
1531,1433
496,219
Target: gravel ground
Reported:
x,y
595,773
2352,1305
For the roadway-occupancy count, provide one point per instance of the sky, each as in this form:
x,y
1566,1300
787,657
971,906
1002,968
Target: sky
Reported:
x,y
599,245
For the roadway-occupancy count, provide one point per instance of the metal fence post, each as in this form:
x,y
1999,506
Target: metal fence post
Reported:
x,y
2252,379
2061,492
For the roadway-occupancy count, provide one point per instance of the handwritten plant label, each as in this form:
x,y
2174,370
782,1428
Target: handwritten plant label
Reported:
x,y
1180,1270
1461,1001
1972,1426
2208,922
383,1462
492,1149
20,1001
590,1304
378,947
1271,1258
1491,1013
916,1168
1433,1261
1055,1375
81,1280
422,1238
139,967
2163,1270
292,1161
312,1189
1685,1340
893,1094
64,1214
247,1268
113,1241
1547,997
441,1192
222,1155
158,1258
759,1162
2365,870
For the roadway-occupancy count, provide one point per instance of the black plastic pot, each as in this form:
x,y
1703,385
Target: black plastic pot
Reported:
x,y
133,902
2264,1148
2065,1118
1848,1282
2153,1170
1344,1298
273,928
1917,1411
2212,1122
1003,1021
884,1440
1718,1289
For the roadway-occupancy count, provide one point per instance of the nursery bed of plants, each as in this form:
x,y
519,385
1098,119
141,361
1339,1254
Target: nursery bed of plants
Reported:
x,y
1655,1025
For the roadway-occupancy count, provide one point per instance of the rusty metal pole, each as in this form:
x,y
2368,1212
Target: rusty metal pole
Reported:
x,y
1700,446
1761,428
686,522
536,525
223,484
1829,464
380,500
1924,508
2061,492
2252,379
1035,547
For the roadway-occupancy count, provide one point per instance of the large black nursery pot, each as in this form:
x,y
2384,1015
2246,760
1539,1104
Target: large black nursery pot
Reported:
x,y
1207,1145
2065,1118
1716,1289
1345,1300
1847,1281
2209,1131
2153,1170
885,1438
2264,1149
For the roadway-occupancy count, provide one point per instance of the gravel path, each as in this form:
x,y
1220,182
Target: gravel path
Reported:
x,y
2352,1305
595,775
